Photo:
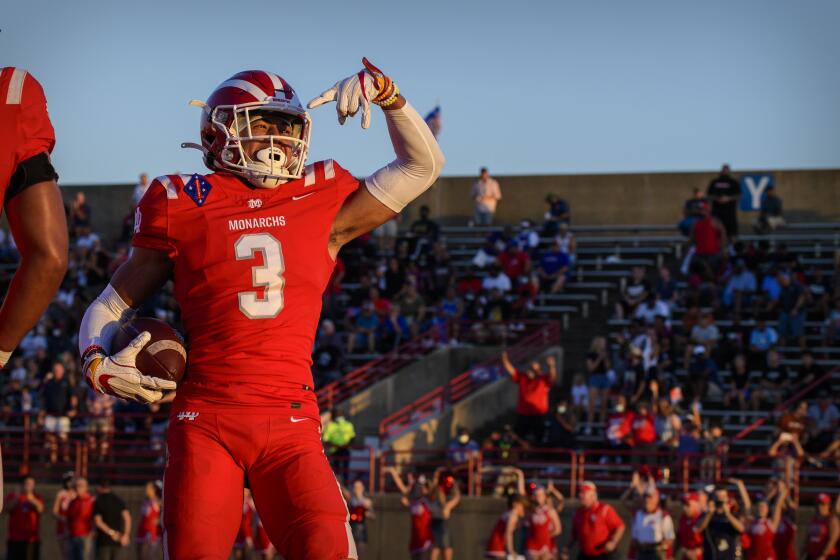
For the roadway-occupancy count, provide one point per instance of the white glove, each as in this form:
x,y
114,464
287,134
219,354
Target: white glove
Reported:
x,y
118,375
355,91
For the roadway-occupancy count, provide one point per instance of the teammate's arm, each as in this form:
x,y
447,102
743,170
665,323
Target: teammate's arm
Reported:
x,y
37,223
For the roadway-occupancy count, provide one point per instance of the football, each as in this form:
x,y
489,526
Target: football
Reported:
x,y
163,357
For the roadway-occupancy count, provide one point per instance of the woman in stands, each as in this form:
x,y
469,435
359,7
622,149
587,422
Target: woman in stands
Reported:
x,y
543,526
415,498
502,541
148,529
360,507
823,532
63,497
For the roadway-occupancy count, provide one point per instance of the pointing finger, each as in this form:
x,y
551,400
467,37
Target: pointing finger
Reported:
x,y
325,97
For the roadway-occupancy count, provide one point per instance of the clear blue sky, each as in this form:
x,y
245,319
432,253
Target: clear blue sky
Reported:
x,y
527,87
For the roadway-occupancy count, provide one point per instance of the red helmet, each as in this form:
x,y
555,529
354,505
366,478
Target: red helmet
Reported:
x,y
261,108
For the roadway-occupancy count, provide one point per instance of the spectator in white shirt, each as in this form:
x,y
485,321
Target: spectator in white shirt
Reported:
x,y
653,529
140,189
651,307
496,279
486,194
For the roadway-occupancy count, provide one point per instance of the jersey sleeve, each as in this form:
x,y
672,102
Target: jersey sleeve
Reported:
x,y
612,519
151,221
345,182
36,130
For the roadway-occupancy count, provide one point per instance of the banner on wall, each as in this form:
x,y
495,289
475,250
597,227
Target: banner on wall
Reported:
x,y
753,188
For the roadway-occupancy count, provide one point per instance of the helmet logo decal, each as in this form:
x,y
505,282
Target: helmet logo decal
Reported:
x,y
197,188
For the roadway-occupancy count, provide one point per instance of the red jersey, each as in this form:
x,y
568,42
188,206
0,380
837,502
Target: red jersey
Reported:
x,y
25,127
818,534
761,541
533,394
250,266
687,537
540,526
496,546
64,499
785,540
514,264
246,528
24,519
80,516
148,530
421,526
592,527
618,426
643,429
706,237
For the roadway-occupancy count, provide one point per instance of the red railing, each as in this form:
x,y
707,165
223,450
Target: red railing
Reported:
x,y
436,401
376,370
786,405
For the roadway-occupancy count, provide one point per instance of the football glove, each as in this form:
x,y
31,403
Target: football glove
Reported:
x,y
358,91
118,375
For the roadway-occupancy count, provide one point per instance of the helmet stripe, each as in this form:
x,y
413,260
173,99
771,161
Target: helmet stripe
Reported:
x,y
253,89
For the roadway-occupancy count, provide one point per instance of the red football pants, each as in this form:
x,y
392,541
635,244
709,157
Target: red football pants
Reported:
x,y
295,491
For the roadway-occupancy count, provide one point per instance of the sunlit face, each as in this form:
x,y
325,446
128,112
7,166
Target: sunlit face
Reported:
x,y
358,488
81,486
691,508
651,502
540,497
268,124
763,510
588,498
150,490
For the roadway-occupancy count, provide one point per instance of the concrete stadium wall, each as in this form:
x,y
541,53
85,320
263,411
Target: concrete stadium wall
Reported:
x,y
367,408
485,405
655,198
627,198
388,532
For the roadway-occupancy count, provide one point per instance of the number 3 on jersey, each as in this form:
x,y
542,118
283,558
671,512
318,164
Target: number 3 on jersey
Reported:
x,y
268,276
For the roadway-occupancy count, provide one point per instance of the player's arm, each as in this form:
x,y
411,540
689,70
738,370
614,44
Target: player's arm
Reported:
x,y
418,162
36,219
137,279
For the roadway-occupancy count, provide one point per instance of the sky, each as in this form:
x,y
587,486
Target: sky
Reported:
x,y
527,87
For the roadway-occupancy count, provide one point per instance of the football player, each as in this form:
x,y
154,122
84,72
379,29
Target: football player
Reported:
x,y
29,194
250,249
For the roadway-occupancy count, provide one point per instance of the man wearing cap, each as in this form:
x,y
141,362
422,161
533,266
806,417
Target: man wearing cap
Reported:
x,y
823,532
652,535
596,527
689,540
721,529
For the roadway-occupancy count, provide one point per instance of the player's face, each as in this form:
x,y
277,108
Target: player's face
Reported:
x,y
266,125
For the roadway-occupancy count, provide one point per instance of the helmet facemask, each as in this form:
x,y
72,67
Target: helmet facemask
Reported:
x,y
265,142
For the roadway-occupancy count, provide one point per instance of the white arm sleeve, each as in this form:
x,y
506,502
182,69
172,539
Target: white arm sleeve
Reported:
x,y
419,160
101,321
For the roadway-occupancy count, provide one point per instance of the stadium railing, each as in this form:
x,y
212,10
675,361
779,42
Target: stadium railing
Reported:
x,y
376,370
438,400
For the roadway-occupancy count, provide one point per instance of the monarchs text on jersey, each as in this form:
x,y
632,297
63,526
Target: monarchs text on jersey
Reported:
x,y
250,268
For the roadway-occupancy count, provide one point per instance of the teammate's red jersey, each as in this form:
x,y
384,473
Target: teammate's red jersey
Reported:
x,y
25,128
421,526
246,528
24,519
496,546
785,539
687,537
818,535
250,266
540,526
148,530
80,516
761,540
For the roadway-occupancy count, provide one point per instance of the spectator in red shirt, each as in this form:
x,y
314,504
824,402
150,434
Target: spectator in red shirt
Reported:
x,y
596,527
62,500
515,262
80,522
148,530
643,430
689,540
25,509
534,389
